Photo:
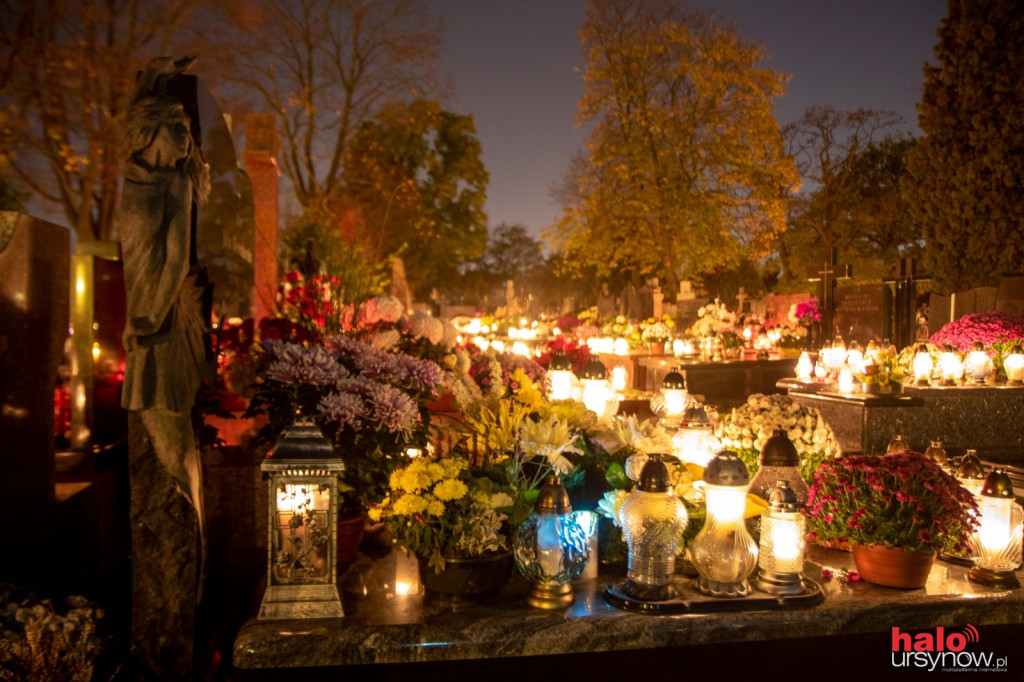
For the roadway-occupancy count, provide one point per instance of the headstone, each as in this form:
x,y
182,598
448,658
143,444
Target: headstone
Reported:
x,y
685,291
399,286
863,312
776,307
261,167
657,298
225,239
826,278
1010,295
741,299
34,270
605,303
510,296
979,300
631,302
646,297
939,312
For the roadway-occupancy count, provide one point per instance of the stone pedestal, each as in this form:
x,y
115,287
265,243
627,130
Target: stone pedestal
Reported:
x,y
165,564
33,325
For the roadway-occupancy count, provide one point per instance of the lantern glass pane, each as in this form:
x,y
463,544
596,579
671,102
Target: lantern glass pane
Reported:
x,y
782,542
301,533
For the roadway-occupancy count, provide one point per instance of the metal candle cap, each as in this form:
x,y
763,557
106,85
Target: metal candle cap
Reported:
x,y
970,467
782,497
726,469
674,380
997,484
594,369
654,476
779,451
553,498
695,417
303,440
560,362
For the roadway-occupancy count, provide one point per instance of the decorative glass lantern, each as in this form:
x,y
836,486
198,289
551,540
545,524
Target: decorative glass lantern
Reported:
x,y
781,555
620,377
652,519
970,472
723,552
303,481
1014,366
978,364
551,548
897,445
694,440
560,377
845,380
804,367
855,358
922,366
950,366
779,461
996,543
598,395
670,403
937,453
837,355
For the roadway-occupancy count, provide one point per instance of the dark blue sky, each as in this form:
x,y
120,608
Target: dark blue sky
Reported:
x,y
515,65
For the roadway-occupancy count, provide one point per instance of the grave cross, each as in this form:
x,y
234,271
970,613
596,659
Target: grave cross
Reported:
x,y
740,298
904,305
826,279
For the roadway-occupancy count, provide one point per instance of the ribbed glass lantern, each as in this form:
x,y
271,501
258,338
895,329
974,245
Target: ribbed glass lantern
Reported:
x,y
937,453
694,440
723,552
950,366
653,520
996,544
897,445
551,548
970,472
560,377
598,396
302,476
670,403
978,364
779,461
781,554
1014,366
922,366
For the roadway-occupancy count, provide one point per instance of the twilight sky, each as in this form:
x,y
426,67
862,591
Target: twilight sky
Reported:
x,y
513,65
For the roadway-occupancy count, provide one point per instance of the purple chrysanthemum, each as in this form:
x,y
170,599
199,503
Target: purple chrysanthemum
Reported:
x,y
393,410
297,364
344,409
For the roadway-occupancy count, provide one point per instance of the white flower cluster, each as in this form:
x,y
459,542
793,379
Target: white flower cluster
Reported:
x,y
423,325
658,332
711,318
750,425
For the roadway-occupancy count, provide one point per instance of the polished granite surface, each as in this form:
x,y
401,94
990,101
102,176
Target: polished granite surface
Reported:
x,y
388,619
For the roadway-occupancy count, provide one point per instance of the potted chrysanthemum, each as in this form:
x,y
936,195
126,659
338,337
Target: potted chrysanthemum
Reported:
x,y
452,521
897,510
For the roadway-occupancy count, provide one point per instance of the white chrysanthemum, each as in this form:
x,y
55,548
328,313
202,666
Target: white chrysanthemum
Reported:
x,y
388,308
423,325
385,339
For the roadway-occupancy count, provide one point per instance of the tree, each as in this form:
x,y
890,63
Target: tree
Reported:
x,y
966,176
851,163
325,67
415,174
512,253
67,70
684,167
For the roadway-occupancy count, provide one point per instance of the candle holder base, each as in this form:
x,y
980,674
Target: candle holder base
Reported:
x,y
1000,579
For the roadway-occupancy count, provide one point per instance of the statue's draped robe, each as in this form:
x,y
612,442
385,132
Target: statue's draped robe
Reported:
x,y
164,329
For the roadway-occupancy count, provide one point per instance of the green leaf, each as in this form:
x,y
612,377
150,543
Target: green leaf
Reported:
x,y
616,476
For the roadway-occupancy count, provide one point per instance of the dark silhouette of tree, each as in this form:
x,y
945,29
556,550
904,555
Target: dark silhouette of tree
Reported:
x,y
966,176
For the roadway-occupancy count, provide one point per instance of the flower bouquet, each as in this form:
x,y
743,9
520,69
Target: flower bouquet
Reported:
x,y
655,331
746,429
711,318
904,500
805,313
882,371
440,511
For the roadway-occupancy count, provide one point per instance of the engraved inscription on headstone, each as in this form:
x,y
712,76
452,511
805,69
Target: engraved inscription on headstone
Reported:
x,y
863,312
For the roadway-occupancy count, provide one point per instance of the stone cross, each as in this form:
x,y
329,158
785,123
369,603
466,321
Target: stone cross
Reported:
x,y
826,279
740,298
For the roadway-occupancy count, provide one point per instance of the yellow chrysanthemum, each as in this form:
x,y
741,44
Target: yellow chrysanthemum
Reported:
x,y
410,504
435,508
452,466
450,489
374,513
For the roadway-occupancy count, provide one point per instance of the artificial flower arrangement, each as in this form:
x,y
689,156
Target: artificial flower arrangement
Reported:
x,y
441,510
882,368
747,428
901,500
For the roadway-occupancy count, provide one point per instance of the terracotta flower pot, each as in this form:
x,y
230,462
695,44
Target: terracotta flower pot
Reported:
x,y
893,567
